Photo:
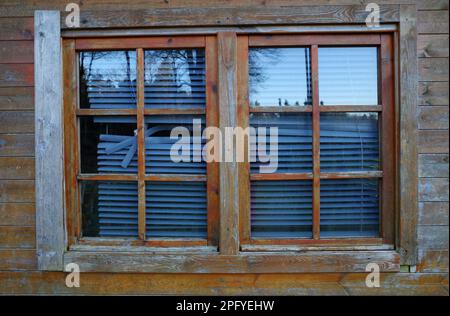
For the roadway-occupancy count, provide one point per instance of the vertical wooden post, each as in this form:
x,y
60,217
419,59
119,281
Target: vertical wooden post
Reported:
x,y
229,184
141,143
48,141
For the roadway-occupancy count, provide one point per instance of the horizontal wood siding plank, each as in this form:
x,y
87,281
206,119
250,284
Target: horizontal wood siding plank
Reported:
x,y
433,69
17,168
433,142
433,165
17,259
433,261
433,189
12,75
16,52
433,213
17,191
16,28
17,122
221,284
17,98
16,145
17,237
17,214
433,117
432,237
432,22
433,93
432,46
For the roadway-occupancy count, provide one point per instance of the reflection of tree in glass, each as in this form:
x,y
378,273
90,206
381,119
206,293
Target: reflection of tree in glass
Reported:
x,y
257,75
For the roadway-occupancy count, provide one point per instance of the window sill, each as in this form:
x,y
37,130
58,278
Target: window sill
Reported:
x,y
163,261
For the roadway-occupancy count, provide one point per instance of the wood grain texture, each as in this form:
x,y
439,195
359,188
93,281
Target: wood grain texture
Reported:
x,y
433,69
15,237
48,146
433,237
16,28
433,213
17,122
315,261
432,46
17,145
17,191
433,165
17,98
18,259
433,93
432,22
433,142
408,134
16,52
433,117
17,214
16,75
17,168
432,261
433,189
228,171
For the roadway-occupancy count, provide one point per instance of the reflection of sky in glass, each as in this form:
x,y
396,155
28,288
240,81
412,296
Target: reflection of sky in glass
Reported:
x,y
348,76
175,78
279,76
109,78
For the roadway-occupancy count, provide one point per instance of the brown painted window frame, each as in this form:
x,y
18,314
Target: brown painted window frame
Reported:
x,y
387,129
72,113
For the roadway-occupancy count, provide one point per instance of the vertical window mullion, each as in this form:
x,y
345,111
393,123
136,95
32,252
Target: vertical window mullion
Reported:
x,y
316,140
141,143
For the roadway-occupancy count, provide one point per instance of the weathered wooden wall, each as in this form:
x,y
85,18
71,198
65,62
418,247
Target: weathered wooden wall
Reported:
x,y
18,267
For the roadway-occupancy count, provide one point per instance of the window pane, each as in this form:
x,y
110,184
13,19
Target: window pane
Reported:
x,y
108,79
294,151
348,76
279,77
175,78
158,144
108,144
176,209
281,209
109,209
349,208
349,142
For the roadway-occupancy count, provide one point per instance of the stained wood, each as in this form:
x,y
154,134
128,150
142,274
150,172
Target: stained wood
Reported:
x,y
49,149
16,237
334,39
316,261
17,214
16,75
141,144
433,165
17,145
433,117
17,168
228,171
433,142
433,213
432,46
433,69
433,93
433,189
17,98
408,134
315,141
16,52
433,261
17,191
16,28
433,237
134,42
432,22
17,122
18,259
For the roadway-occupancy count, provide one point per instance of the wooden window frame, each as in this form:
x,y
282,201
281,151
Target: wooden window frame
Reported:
x,y
386,118
51,218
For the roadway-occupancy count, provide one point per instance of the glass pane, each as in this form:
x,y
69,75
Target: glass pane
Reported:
x,y
294,151
176,209
281,209
186,148
108,144
348,76
175,78
279,77
109,209
349,142
349,208
108,80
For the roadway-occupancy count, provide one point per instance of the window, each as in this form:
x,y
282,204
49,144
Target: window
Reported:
x,y
131,94
331,98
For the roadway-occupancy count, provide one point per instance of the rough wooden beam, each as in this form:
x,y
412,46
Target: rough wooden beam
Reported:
x,y
48,141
